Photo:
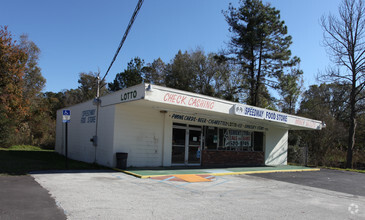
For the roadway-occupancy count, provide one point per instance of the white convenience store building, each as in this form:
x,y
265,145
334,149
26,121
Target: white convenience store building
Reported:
x,y
159,126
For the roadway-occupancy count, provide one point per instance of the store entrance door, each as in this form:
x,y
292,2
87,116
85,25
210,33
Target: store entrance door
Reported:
x,y
186,145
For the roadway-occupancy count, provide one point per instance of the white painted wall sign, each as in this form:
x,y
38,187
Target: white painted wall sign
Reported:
x,y
125,95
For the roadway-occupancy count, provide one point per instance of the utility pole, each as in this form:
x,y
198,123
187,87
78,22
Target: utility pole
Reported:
x,y
98,88
97,103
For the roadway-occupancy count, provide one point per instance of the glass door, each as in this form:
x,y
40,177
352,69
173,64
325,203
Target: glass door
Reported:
x,y
178,146
194,147
186,144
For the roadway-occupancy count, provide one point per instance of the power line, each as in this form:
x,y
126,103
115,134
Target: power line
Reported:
x,y
135,13
97,100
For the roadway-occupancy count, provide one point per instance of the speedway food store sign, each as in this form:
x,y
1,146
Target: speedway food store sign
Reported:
x,y
265,114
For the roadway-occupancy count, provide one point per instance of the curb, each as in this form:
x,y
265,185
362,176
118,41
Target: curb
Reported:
x,y
264,171
130,173
220,174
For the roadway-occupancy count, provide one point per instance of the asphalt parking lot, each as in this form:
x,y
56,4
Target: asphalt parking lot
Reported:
x,y
340,181
23,198
114,195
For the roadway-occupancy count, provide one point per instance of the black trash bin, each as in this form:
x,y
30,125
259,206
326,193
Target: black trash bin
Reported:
x,y
122,160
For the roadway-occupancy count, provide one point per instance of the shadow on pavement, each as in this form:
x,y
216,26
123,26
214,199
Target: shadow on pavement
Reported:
x,y
23,198
335,180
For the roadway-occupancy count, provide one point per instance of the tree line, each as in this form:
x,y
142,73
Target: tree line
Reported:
x,y
256,63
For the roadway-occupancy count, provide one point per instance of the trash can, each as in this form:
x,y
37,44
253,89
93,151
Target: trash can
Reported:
x,y
122,160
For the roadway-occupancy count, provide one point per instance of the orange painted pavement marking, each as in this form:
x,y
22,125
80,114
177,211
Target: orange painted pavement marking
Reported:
x,y
191,178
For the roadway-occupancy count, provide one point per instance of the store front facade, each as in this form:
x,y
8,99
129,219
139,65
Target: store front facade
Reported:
x,y
194,145
159,126
186,145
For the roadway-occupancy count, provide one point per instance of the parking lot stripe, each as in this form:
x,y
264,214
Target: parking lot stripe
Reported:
x,y
167,179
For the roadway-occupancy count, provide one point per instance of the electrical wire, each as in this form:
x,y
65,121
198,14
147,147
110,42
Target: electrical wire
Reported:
x,y
135,13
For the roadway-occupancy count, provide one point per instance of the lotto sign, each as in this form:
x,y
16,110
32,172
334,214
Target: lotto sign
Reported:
x,y
66,116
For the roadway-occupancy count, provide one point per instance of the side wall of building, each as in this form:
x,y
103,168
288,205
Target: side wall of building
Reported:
x,y
276,146
82,128
106,124
139,131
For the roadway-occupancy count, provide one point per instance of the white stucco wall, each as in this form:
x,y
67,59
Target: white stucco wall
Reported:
x,y
106,123
79,134
167,140
82,128
276,146
138,131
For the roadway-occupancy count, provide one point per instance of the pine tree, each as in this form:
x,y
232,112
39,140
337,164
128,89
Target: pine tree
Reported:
x,y
260,45
131,76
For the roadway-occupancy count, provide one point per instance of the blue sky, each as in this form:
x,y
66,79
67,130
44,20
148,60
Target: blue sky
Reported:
x,y
83,35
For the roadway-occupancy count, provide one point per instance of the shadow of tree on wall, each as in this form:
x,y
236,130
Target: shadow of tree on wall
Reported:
x,y
278,155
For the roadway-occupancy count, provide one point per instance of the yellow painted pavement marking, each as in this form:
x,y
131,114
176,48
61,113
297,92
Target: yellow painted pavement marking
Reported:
x,y
264,171
220,174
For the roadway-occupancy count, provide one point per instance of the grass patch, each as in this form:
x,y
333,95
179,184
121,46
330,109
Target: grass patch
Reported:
x,y
22,159
24,148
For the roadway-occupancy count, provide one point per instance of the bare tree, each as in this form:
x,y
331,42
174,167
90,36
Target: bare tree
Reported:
x,y
344,39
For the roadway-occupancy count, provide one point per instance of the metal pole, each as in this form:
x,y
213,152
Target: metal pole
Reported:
x,y
306,155
97,116
66,142
163,136
98,88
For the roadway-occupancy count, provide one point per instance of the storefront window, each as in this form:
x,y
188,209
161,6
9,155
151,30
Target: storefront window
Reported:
x,y
179,125
237,140
222,145
178,137
178,145
232,140
258,141
211,141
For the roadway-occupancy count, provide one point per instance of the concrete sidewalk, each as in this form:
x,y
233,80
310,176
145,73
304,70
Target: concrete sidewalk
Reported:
x,y
155,172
